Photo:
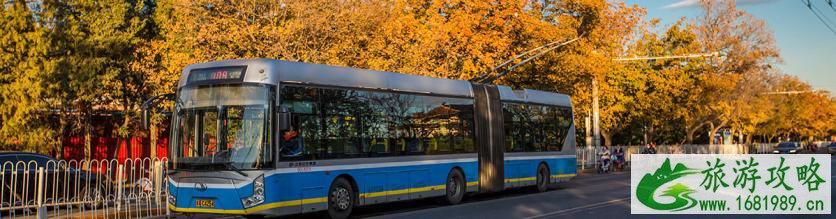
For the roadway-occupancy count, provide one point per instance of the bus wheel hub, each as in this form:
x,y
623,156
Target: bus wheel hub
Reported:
x,y
454,185
341,198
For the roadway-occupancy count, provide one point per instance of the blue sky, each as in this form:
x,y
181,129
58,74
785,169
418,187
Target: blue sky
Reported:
x,y
807,46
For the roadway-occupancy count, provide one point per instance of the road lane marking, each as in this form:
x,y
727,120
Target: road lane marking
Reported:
x,y
589,206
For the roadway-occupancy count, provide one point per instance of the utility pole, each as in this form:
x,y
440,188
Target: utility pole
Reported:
x,y
588,129
596,116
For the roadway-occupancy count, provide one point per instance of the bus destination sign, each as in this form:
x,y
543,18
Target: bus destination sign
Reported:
x,y
218,74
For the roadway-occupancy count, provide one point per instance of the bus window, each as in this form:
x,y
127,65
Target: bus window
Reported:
x,y
345,123
375,124
245,134
533,128
515,117
185,138
209,133
222,124
303,105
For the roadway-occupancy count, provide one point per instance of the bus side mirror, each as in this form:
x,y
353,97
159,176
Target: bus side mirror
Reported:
x,y
284,118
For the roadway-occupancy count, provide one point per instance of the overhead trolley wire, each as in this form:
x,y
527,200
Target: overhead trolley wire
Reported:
x,y
542,50
816,12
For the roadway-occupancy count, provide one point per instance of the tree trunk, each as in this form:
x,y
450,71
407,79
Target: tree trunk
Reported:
x,y
152,136
88,146
689,136
711,133
127,120
128,145
714,130
607,138
62,124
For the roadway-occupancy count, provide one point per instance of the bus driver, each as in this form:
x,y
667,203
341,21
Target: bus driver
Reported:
x,y
292,143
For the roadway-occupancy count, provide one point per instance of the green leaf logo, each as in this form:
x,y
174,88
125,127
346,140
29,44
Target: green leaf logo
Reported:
x,y
681,193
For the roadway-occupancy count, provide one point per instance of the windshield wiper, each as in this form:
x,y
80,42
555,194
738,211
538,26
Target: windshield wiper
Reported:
x,y
233,168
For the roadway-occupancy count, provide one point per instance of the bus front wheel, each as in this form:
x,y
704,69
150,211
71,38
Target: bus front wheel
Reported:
x,y
340,199
542,178
455,187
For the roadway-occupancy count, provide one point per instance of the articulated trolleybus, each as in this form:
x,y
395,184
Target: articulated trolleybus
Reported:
x,y
270,137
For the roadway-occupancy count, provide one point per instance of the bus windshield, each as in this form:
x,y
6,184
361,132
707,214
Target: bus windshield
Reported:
x,y
222,127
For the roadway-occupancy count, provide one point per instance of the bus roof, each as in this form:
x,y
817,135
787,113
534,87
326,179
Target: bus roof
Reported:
x,y
272,71
534,96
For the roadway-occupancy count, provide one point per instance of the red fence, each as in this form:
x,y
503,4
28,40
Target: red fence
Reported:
x,y
113,148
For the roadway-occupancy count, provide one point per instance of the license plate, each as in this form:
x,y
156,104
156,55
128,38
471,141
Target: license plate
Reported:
x,y
203,203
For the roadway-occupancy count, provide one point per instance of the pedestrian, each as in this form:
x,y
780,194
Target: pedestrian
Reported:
x,y
649,149
619,157
653,148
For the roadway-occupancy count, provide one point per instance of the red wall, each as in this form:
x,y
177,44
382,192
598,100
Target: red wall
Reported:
x,y
110,148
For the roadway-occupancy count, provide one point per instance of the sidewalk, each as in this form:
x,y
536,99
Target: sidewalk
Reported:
x,y
110,212
137,213
591,170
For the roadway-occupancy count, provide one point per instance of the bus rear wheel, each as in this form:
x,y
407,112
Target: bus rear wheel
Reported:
x,y
341,199
455,187
542,178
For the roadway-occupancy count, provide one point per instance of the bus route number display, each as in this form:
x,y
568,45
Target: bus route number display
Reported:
x,y
219,74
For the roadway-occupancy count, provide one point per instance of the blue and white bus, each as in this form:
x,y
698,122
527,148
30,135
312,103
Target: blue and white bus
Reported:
x,y
270,137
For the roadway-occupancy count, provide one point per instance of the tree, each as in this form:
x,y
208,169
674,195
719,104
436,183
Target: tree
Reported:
x,y
72,60
746,46
79,48
22,116
796,116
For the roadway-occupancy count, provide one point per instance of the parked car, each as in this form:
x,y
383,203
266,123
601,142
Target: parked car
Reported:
x,y
62,183
787,148
832,148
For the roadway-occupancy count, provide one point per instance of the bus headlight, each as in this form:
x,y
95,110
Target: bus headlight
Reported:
x,y
171,199
258,193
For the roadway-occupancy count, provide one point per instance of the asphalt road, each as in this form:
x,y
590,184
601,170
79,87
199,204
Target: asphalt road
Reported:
x,y
583,195
586,196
